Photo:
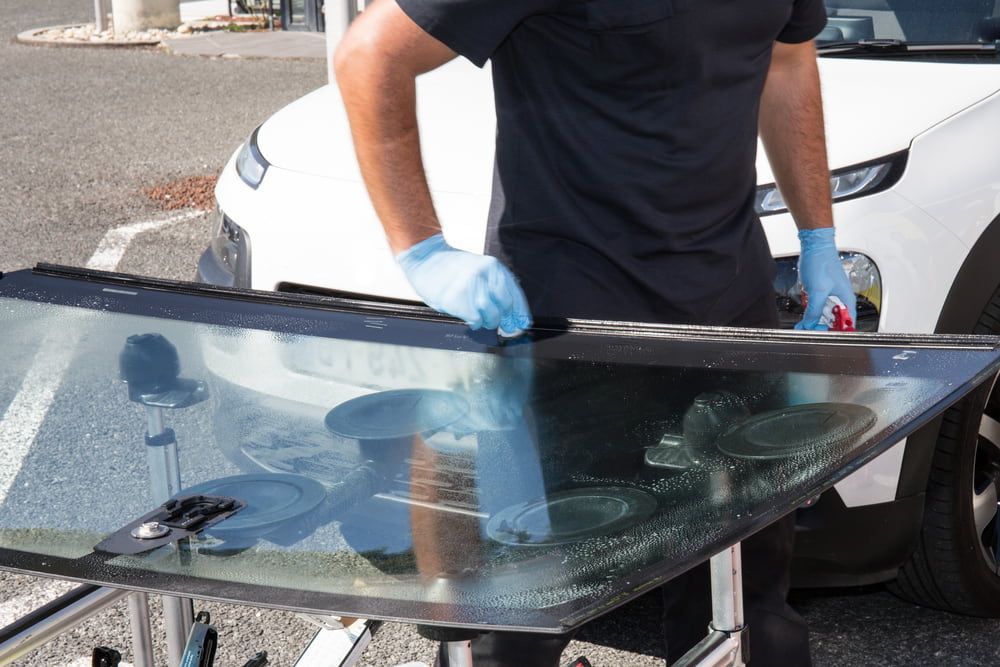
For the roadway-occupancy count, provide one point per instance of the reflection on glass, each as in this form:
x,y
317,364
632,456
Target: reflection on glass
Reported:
x,y
517,486
297,10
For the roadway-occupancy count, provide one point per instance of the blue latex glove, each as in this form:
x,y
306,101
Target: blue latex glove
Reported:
x,y
822,276
475,288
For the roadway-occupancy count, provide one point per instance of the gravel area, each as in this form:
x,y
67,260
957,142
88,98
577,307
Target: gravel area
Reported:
x,y
196,192
87,34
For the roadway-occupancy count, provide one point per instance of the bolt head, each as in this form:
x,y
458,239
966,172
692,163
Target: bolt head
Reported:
x,y
150,530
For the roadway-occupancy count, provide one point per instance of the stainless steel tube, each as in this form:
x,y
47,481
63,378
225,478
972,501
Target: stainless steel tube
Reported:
x,y
159,474
178,615
716,650
164,472
173,470
154,421
725,646
459,654
55,618
142,634
100,15
727,590
165,482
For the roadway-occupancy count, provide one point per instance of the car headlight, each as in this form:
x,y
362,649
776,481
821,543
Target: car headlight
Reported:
x,y
250,164
865,281
848,183
231,248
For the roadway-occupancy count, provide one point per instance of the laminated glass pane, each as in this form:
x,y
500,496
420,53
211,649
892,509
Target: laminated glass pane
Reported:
x,y
395,465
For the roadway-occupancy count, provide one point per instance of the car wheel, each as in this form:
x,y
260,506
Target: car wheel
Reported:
x,y
955,566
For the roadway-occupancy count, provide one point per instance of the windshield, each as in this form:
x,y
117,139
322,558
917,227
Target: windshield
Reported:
x,y
915,21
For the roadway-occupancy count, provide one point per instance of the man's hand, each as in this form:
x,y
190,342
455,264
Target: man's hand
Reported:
x,y
791,127
477,289
377,64
822,276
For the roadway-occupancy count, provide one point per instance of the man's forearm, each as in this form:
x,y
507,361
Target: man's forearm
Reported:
x,y
791,128
377,64
384,126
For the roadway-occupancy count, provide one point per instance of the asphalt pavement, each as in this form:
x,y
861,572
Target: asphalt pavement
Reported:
x,y
83,131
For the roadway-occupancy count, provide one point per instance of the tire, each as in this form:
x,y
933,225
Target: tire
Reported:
x,y
955,565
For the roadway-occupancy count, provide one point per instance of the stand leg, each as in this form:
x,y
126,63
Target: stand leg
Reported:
x,y
178,616
49,621
727,590
161,454
726,645
459,653
165,482
142,635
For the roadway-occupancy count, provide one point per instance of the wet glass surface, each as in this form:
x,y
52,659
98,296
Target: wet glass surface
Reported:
x,y
447,480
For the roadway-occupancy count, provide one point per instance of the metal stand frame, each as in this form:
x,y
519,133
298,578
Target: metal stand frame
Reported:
x,y
459,653
51,620
727,644
335,646
142,633
165,482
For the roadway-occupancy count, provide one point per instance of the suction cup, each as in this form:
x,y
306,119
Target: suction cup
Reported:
x,y
570,516
789,431
274,500
399,413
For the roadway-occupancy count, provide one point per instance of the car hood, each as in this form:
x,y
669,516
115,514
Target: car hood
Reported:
x,y
873,108
457,131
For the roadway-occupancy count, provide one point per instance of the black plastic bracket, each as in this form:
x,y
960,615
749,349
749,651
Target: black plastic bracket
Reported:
x,y
167,437
105,657
444,634
182,394
174,520
259,660
745,643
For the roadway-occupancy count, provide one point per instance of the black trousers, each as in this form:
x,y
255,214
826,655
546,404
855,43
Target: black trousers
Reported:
x,y
778,635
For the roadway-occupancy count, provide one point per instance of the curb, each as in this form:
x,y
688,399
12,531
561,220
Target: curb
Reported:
x,y
165,47
31,38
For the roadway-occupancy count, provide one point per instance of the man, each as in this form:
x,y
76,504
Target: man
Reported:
x,y
626,143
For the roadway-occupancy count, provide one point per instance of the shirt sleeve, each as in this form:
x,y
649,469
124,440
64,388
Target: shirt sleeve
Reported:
x,y
472,28
808,20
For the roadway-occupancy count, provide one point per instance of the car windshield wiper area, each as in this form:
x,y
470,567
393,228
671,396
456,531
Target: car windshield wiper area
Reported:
x,y
897,47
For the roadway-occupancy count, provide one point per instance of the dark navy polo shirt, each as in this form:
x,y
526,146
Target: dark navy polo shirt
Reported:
x,y
626,144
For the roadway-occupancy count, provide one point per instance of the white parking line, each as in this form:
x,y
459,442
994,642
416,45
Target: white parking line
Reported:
x,y
114,244
26,412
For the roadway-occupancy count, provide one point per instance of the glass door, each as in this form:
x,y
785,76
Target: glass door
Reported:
x,y
303,15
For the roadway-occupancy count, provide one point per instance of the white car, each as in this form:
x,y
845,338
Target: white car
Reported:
x,y
913,126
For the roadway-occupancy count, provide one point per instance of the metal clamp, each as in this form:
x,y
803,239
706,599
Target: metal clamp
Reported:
x,y
174,520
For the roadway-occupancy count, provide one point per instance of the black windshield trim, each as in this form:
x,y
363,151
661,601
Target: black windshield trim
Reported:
x,y
544,328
